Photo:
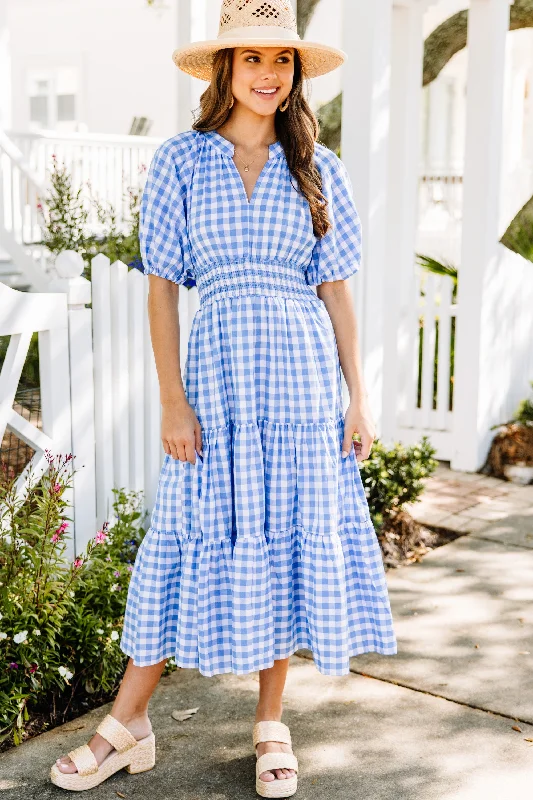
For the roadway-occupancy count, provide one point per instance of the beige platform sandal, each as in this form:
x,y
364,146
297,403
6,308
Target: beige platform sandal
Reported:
x,y
273,731
130,754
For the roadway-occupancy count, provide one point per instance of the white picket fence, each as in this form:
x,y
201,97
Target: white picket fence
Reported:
x,y
100,392
425,390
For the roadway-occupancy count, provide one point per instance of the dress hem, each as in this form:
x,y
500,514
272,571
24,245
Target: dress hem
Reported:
x,y
380,649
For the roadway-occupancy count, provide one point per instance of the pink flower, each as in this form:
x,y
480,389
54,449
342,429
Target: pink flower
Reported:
x,y
13,665
59,532
130,568
57,487
116,573
78,563
34,668
100,537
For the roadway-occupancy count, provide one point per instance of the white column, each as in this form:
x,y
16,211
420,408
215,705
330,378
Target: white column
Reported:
x,y
402,212
5,69
183,81
364,150
488,25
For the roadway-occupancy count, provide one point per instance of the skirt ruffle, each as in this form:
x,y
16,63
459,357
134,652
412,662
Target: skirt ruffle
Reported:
x,y
263,547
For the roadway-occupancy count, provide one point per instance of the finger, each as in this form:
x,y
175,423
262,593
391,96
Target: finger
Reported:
x,y
190,453
173,450
347,443
198,439
166,448
366,444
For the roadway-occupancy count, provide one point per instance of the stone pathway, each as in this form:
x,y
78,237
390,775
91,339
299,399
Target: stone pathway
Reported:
x,y
450,717
465,502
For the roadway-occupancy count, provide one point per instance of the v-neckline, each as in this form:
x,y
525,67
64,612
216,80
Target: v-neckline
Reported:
x,y
228,148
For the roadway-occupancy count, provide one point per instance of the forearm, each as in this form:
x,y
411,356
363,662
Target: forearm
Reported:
x,y
338,300
165,335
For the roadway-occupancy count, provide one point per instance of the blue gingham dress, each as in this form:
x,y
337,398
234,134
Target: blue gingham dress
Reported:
x,y
265,545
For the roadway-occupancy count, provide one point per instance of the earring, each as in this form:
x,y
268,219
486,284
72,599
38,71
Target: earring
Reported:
x,y
231,104
284,106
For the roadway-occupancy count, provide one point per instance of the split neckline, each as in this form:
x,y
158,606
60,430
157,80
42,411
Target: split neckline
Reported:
x,y
228,148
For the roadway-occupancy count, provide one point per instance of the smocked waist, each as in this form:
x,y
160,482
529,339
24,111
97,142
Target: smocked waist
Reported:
x,y
245,278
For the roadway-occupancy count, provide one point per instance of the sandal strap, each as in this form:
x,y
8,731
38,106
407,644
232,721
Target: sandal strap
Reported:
x,y
271,731
116,734
270,761
84,759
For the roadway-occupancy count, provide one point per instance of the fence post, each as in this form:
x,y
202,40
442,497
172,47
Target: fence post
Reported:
x,y
69,267
475,384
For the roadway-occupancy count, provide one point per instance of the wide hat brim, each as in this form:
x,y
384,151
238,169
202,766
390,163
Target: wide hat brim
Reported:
x,y
317,58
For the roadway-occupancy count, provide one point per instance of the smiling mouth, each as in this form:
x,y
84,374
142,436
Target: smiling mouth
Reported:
x,y
263,93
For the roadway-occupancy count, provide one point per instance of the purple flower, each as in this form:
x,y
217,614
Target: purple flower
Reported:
x,y
116,573
13,665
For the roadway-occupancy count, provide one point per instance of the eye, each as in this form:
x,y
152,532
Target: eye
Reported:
x,y
285,58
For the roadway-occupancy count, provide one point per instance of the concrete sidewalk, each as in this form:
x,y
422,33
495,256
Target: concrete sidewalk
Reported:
x,y
434,722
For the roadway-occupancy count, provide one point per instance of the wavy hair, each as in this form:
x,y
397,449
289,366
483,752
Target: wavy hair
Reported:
x,y
297,129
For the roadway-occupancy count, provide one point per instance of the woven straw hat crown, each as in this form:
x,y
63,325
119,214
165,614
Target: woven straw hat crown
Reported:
x,y
238,13
263,23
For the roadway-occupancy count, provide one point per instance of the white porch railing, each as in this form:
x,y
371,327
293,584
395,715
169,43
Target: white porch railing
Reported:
x,y
109,163
20,227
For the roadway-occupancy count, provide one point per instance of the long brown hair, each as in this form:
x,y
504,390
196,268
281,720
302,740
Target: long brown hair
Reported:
x,y
296,128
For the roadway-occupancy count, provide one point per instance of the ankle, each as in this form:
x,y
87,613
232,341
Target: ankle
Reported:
x,y
268,712
128,718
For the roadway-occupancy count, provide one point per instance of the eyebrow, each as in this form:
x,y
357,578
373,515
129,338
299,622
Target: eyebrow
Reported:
x,y
259,52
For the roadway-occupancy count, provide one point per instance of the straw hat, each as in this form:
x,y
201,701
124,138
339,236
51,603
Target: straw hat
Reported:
x,y
259,23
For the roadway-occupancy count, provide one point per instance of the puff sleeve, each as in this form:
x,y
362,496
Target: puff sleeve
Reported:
x,y
163,236
337,255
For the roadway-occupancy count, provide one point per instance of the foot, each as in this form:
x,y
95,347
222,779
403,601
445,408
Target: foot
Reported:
x,y
138,726
274,747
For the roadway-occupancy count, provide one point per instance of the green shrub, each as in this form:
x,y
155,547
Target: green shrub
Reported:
x,y
60,622
393,477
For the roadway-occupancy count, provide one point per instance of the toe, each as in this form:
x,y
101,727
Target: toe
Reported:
x,y
66,765
267,776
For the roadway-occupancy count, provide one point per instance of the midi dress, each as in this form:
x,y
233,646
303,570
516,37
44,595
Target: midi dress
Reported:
x,y
265,545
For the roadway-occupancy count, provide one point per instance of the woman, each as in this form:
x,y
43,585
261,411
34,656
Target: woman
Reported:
x,y
261,542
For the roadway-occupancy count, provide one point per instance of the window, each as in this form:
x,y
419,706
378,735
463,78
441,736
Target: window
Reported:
x,y
53,98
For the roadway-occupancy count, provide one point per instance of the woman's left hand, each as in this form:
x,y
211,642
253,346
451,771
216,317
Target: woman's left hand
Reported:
x,y
358,419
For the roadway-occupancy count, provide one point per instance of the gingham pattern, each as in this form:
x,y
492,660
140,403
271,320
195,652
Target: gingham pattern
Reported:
x,y
265,545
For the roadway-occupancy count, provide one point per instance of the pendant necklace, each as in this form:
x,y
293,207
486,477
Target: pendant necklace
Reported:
x,y
246,166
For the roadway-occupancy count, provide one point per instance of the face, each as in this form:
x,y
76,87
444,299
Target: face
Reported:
x,y
262,68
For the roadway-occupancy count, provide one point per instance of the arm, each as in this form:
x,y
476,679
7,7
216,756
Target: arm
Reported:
x,y
337,298
180,428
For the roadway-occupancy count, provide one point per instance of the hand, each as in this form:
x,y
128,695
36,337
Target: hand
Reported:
x,y
358,419
181,432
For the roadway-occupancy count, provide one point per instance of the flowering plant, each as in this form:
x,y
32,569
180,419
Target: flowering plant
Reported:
x,y
60,620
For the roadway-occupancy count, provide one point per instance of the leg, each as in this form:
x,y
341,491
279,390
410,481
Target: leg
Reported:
x,y
269,706
130,708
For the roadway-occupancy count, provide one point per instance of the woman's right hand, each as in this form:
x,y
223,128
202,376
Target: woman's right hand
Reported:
x,y
181,432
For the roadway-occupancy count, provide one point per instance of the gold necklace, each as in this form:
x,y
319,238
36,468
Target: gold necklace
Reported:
x,y
246,166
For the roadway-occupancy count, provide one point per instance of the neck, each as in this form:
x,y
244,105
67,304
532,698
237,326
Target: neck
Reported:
x,y
249,131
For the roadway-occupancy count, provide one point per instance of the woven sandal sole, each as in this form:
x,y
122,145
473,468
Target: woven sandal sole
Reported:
x,y
280,787
140,758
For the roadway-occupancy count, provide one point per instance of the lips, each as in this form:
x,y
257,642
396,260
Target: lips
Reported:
x,y
260,93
